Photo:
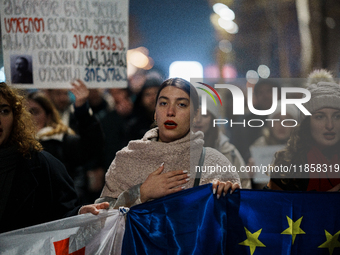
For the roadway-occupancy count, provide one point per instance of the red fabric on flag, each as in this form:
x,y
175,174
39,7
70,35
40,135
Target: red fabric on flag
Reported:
x,y
61,248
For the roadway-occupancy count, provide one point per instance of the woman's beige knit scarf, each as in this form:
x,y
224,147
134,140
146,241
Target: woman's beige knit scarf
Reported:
x,y
134,163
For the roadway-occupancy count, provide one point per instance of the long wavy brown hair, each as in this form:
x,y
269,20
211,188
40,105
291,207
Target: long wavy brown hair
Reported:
x,y
297,147
23,131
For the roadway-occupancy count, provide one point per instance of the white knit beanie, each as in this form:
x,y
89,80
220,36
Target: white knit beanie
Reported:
x,y
323,94
319,75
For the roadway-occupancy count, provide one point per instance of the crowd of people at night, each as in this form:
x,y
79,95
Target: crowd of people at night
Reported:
x,y
77,150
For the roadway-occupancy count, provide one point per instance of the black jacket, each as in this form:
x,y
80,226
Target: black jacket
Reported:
x,y
42,191
79,152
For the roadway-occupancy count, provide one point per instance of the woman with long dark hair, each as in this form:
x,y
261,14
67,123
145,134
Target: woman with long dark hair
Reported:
x,y
35,187
165,159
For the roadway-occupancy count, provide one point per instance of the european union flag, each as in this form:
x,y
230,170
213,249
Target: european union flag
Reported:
x,y
283,222
247,222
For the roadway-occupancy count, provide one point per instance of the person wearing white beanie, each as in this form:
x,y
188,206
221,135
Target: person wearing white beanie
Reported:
x,y
323,95
315,142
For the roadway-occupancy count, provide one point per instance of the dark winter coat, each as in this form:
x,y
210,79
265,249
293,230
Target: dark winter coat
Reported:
x,y
41,191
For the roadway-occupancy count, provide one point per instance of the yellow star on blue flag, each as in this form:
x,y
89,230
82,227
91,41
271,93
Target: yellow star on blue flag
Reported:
x,y
331,242
252,240
294,228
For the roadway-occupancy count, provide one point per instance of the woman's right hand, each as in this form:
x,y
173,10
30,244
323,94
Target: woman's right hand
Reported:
x,y
158,185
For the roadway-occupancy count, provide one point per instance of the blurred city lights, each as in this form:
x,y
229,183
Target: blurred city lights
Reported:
x,y
234,29
218,7
224,11
252,77
214,20
227,14
225,46
224,17
330,22
229,72
263,71
213,71
225,24
186,70
131,69
139,57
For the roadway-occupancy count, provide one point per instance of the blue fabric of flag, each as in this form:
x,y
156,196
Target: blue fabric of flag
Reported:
x,y
251,222
187,222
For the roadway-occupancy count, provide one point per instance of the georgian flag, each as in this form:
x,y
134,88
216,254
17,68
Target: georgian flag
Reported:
x,y
79,235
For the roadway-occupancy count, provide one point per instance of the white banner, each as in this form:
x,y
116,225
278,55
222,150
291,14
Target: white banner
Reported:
x,y
79,235
49,43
